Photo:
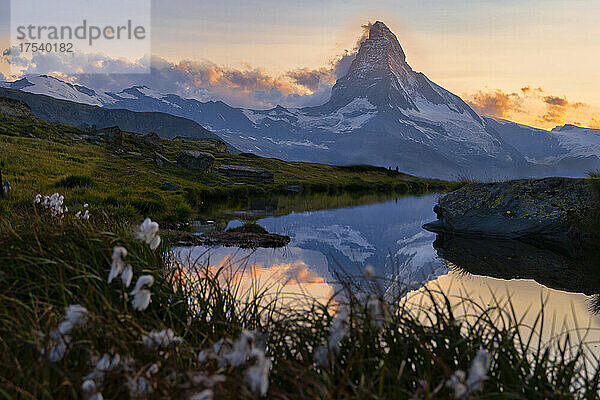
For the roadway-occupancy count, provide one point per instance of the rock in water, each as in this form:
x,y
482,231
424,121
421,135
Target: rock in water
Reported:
x,y
250,174
195,160
553,210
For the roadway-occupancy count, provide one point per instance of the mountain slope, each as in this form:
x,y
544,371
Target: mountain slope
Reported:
x,y
566,150
83,115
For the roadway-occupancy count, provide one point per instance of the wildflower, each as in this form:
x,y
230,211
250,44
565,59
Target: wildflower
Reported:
x,y
456,383
477,374
205,380
148,232
152,370
86,215
479,369
339,328
118,262
321,356
89,388
206,394
139,387
257,376
38,199
141,298
241,349
103,366
127,275
85,205
58,350
164,338
369,272
378,312
78,214
75,315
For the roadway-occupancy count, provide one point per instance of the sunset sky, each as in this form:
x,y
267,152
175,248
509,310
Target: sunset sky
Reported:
x,y
532,61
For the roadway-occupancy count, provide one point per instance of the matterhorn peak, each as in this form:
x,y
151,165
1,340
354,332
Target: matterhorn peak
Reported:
x,y
381,35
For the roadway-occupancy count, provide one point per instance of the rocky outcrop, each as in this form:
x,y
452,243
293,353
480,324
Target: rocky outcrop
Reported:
x,y
195,160
15,108
554,210
246,174
153,140
244,240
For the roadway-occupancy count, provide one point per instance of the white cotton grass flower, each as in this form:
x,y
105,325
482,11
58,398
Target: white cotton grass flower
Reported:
x,y
477,375
118,262
38,199
456,383
207,381
148,232
86,215
378,311
206,394
257,376
164,338
90,390
127,275
141,297
58,350
339,328
321,356
75,316
479,369
139,387
241,349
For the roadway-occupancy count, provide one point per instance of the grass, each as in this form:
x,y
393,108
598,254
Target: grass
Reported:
x,y
49,263
122,176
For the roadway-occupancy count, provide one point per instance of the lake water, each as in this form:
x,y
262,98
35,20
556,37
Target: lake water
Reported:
x,y
388,236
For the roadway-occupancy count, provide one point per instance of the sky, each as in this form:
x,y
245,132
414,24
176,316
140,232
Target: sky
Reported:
x,y
531,61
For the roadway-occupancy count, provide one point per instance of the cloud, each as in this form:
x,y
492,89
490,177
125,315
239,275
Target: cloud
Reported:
x,y
528,90
246,86
595,124
557,109
495,103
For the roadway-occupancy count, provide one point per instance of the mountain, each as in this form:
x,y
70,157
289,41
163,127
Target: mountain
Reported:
x,y
83,115
565,150
381,112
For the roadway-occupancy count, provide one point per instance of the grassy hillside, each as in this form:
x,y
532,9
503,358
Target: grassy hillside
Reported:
x,y
78,114
124,180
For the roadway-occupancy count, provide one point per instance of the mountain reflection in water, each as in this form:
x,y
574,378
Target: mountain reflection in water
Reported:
x,y
388,236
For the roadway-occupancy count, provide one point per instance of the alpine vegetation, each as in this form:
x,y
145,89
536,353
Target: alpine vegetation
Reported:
x,y
208,337
148,232
141,296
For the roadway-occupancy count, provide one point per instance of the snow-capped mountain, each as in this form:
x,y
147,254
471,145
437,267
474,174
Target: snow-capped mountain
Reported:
x,y
381,112
565,150
53,87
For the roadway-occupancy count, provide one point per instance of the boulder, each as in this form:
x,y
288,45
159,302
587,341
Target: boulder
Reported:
x,y
113,132
152,139
166,185
248,174
554,210
195,160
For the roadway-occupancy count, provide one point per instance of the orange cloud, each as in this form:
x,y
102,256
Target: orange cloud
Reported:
x,y
533,106
496,103
557,109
